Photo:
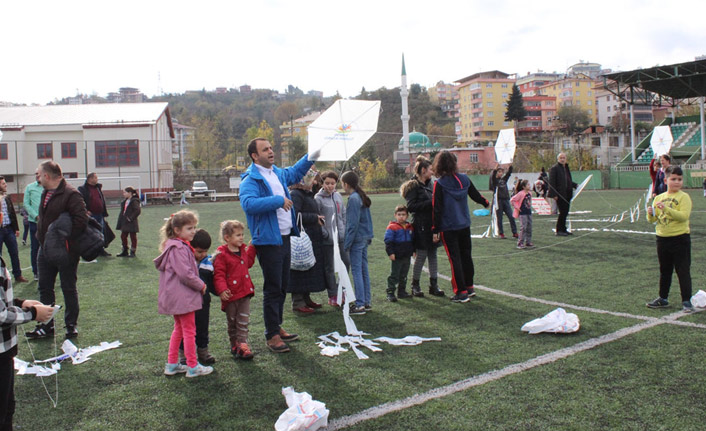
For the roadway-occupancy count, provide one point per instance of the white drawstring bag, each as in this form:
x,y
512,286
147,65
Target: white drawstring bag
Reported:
x,y
302,252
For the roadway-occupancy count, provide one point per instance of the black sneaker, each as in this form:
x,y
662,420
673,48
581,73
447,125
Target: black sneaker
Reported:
x,y
391,297
40,331
71,332
368,307
687,307
402,294
357,310
460,297
658,303
471,292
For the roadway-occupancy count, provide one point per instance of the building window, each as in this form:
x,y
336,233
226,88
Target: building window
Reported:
x,y
578,93
117,153
3,151
491,123
589,93
44,151
504,96
9,178
596,142
474,158
489,104
503,85
566,143
70,174
68,150
589,103
488,85
489,95
613,141
491,113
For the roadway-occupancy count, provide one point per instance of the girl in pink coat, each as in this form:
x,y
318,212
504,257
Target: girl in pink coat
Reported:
x,y
232,282
521,201
180,291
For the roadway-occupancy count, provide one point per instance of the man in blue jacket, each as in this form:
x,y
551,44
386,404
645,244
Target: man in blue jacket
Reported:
x,y
268,208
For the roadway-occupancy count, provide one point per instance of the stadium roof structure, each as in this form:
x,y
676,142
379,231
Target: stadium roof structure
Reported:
x,y
659,84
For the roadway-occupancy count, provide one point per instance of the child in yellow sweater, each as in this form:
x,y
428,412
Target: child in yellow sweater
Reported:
x,y
671,210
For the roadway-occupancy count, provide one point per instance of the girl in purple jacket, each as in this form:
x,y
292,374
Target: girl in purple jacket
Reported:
x,y
180,291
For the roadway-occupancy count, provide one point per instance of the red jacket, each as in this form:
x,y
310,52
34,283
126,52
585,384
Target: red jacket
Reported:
x,y
230,272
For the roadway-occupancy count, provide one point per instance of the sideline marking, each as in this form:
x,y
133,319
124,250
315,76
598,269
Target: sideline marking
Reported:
x,y
490,376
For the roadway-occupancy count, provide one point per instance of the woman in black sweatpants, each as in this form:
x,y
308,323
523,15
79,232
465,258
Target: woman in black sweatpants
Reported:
x,y
452,221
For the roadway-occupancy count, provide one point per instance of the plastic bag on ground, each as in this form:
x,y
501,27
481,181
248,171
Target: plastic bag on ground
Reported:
x,y
303,413
558,322
699,299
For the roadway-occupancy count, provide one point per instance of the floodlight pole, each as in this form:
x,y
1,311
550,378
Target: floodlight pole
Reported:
x,y
632,134
703,138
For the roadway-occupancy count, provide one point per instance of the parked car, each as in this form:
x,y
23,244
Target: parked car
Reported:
x,y
199,188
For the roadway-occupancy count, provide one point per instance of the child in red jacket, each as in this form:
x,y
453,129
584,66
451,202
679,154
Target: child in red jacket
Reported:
x,y
232,282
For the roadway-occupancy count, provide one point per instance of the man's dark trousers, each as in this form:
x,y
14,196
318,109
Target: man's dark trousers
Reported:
x,y
274,261
67,278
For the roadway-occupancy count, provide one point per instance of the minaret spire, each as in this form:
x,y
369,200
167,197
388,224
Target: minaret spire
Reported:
x,y
405,112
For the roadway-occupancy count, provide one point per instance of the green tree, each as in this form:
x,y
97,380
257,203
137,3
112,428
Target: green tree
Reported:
x,y
286,112
573,119
297,149
263,130
515,106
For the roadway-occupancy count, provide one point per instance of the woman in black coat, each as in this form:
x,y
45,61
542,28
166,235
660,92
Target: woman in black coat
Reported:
x,y
127,220
303,283
418,192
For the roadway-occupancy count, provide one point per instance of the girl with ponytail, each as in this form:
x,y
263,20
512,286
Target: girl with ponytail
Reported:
x,y
359,233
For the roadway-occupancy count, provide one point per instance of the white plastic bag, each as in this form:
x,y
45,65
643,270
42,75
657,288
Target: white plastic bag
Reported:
x,y
699,299
558,321
302,252
303,412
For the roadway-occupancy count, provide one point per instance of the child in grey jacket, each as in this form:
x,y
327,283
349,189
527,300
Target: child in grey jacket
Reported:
x,y
331,206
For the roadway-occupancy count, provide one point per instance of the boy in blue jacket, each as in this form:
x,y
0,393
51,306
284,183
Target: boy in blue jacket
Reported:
x,y
399,247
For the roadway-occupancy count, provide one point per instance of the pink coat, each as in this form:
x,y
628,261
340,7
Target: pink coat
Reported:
x,y
179,283
516,202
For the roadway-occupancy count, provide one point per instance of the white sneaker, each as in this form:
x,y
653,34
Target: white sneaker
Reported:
x,y
199,370
172,369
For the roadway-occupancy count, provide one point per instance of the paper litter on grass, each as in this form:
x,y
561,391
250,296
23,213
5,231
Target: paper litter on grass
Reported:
x,y
303,412
699,299
77,356
557,321
333,344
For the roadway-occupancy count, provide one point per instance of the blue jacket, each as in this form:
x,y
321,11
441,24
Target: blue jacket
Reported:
x,y
450,202
260,205
359,223
398,239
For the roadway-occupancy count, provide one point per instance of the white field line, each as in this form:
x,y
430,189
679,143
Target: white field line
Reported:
x,y
405,403
670,319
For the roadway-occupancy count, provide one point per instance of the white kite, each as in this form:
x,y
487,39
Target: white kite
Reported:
x,y
661,140
505,146
343,129
581,186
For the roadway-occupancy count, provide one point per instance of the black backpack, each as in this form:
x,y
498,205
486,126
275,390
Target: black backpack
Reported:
x,y
91,241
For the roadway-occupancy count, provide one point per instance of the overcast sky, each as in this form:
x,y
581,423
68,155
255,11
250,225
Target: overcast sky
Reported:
x,y
53,49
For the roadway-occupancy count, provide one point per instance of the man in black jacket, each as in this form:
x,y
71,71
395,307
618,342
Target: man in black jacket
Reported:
x,y
9,231
58,197
498,185
561,189
92,193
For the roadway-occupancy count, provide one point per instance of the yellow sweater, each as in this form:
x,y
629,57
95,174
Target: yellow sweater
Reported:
x,y
673,220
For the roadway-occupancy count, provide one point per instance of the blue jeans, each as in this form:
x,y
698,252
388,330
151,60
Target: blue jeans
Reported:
x,y
35,247
359,270
274,262
7,237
